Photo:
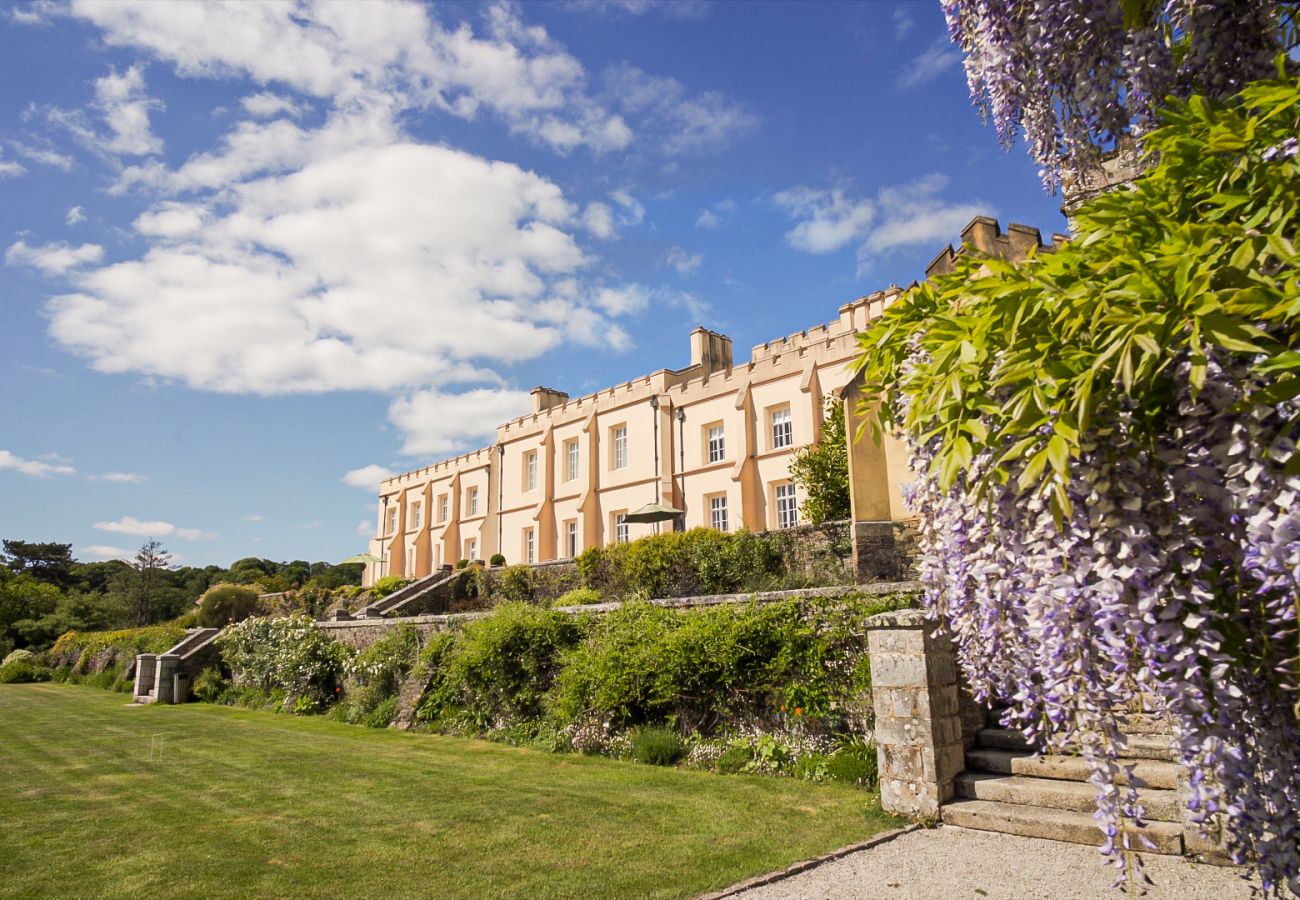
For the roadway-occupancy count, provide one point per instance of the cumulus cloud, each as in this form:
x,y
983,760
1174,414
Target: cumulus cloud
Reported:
x,y
75,216
604,220
714,215
44,156
903,215
152,529
120,477
267,104
685,263
938,58
34,468
102,552
436,423
125,107
11,169
365,528
368,477
53,259
689,10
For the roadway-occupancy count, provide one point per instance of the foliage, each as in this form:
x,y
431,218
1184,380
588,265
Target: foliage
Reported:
x,y
655,745
389,584
151,560
822,469
855,762
379,669
681,564
497,560
498,668
210,686
578,597
223,604
734,759
382,715
515,585
50,563
462,563
290,653
75,649
25,603
23,671
1105,439
1078,74
17,655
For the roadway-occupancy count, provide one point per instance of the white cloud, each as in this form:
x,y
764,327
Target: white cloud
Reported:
x,y
714,215
266,104
125,107
829,218
53,259
152,529
9,169
365,528
255,517
604,220
368,477
75,215
669,9
903,22
312,525
120,477
685,263
34,468
101,552
929,65
904,215
34,13
44,156
689,124
271,289
436,423
598,218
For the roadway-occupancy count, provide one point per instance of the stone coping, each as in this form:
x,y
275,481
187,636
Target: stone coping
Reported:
x,y
899,618
704,600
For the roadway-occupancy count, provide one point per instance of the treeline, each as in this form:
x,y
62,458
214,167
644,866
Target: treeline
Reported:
x,y
45,591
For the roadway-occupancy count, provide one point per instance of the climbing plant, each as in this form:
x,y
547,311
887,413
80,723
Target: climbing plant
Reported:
x,y
1104,439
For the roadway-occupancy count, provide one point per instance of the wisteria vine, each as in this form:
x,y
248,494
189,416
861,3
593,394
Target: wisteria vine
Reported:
x,y
1077,75
1107,477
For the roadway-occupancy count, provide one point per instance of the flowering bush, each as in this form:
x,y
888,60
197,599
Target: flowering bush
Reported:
x,y
288,653
1105,444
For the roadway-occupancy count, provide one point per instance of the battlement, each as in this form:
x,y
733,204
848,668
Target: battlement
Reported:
x,y
471,459
985,236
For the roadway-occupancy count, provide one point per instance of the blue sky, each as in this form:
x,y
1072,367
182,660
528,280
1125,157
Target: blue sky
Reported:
x,y
255,255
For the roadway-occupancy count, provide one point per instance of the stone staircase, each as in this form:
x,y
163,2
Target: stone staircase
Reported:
x,y
408,596
1008,789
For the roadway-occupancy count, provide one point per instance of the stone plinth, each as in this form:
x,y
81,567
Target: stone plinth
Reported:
x,y
146,665
163,684
918,713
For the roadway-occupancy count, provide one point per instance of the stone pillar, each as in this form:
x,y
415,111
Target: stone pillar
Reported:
x,y
875,554
145,666
918,713
162,684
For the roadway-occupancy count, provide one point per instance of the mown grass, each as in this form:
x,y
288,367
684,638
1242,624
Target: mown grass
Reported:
x,y
249,803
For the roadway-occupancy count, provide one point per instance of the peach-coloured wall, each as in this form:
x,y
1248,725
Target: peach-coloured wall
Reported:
x,y
799,371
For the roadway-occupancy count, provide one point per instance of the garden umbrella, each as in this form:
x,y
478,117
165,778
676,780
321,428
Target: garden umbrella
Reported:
x,y
653,512
361,558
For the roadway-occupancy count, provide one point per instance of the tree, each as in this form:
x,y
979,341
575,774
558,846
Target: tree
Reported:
x,y
151,564
1077,75
822,470
23,601
223,604
48,562
1105,444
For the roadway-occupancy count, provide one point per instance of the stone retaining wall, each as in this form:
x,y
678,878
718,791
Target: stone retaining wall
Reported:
x,y
361,633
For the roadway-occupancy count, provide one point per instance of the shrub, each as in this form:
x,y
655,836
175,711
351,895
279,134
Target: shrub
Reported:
x,y
223,604
734,759
579,597
497,559
678,564
498,669
382,715
210,686
462,563
516,584
17,655
657,746
24,671
389,584
855,763
289,654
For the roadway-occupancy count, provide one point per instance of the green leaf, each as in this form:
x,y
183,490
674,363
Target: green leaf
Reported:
x,y
1058,454
1033,470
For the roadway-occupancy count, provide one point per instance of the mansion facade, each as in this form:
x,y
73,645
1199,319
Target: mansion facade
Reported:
x,y
714,439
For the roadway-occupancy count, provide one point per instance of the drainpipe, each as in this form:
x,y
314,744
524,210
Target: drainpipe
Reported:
x,y
501,482
654,405
681,465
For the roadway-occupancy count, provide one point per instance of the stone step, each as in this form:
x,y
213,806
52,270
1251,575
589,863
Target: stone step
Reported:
x,y
1074,796
1065,768
1140,746
1054,825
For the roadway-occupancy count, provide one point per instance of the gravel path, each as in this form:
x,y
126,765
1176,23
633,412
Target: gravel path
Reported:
x,y
961,864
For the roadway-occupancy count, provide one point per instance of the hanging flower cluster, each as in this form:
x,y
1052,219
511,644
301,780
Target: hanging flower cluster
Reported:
x,y
1107,479
1078,74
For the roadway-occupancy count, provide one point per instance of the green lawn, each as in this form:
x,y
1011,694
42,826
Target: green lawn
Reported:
x,y
249,803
